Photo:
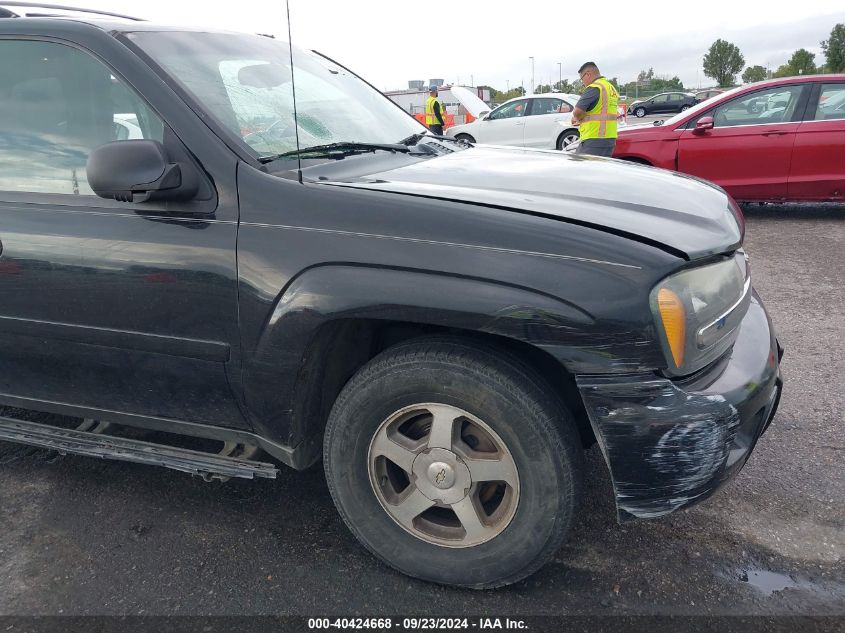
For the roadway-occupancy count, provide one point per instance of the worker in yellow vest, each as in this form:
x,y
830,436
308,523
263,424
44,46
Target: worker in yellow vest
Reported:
x,y
435,114
595,113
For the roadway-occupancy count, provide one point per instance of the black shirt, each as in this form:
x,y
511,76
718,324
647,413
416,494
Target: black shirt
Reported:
x,y
438,114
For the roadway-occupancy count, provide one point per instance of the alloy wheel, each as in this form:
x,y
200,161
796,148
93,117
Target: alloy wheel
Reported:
x,y
443,475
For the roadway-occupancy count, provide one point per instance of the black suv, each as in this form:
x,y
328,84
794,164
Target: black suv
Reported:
x,y
187,249
665,103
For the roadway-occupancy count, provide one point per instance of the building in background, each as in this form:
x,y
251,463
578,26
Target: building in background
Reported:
x,y
459,110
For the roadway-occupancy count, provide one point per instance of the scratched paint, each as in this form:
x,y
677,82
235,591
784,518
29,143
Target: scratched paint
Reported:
x,y
666,448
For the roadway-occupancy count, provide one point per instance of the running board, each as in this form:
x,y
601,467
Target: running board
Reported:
x,y
206,465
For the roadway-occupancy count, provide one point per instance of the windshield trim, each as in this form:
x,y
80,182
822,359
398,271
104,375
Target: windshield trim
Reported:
x,y
359,77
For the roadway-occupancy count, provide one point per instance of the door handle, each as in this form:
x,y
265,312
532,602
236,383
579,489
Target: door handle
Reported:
x,y
775,133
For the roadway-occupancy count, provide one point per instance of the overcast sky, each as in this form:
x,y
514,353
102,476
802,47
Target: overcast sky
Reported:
x,y
391,41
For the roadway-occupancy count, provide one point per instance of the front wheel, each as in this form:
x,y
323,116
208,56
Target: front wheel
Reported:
x,y
684,108
640,112
567,138
465,137
451,462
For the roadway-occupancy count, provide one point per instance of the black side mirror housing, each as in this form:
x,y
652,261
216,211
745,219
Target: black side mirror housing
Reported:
x,y
120,170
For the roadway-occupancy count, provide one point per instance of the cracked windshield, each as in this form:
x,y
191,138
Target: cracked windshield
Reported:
x,y
245,81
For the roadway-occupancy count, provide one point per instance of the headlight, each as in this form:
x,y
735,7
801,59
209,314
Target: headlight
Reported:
x,y
699,310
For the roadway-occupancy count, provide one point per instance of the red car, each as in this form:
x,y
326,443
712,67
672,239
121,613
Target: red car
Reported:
x,y
776,140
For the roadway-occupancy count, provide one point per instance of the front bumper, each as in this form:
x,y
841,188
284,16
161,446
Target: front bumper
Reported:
x,y
670,444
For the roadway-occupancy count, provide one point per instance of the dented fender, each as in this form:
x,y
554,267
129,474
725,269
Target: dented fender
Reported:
x,y
669,444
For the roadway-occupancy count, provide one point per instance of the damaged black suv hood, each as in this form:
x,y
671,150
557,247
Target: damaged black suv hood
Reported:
x,y
680,212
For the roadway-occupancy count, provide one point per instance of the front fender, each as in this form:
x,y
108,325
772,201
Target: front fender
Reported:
x,y
285,358
331,292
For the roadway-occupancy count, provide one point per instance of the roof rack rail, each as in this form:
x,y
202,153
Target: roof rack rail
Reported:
x,y
41,5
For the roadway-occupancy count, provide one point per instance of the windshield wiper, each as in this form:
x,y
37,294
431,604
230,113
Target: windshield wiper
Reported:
x,y
416,138
338,149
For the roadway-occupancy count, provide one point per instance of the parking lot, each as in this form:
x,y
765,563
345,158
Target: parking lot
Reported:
x,y
81,536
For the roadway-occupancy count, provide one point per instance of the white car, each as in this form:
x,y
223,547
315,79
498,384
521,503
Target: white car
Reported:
x,y
126,127
542,121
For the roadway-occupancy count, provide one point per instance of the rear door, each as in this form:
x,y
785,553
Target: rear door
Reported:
x,y
676,101
505,125
749,150
542,125
818,159
127,308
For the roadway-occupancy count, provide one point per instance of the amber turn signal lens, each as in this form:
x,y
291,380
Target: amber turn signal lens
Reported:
x,y
674,322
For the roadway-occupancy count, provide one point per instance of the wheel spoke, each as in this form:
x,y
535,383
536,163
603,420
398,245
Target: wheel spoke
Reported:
x,y
502,469
442,426
399,455
413,505
468,515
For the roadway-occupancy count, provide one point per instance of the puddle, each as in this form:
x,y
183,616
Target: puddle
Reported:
x,y
768,581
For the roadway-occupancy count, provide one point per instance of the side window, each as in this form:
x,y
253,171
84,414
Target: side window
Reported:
x,y
510,110
57,105
774,105
548,105
831,102
660,99
676,97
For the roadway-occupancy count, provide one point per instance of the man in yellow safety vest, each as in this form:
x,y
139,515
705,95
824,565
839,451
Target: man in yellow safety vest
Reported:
x,y
595,113
435,115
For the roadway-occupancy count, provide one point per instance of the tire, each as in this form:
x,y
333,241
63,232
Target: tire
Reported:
x,y
684,108
465,137
640,112
491,387
568,137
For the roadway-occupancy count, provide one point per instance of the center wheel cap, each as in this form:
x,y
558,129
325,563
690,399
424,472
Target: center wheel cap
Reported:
x,y
441,476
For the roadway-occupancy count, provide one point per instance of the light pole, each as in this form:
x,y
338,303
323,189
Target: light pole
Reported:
x,y
560,76
532,75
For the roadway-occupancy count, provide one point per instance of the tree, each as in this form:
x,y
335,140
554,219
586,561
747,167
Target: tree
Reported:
x,y
646,75
784,70
802,62
722,62
502,96
834,49
564,86
754,73
661,84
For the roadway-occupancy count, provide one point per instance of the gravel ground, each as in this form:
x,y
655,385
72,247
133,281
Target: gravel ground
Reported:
x,y
80,536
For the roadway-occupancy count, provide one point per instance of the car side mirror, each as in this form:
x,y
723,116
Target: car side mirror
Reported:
x,y
120,170
703,124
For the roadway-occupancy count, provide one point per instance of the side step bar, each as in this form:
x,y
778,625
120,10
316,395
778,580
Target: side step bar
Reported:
x,y
206,465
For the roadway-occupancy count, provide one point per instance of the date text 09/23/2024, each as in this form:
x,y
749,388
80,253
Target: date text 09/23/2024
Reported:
x,y
416,624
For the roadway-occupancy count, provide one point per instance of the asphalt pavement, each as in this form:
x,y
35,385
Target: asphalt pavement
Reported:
x,y
81,536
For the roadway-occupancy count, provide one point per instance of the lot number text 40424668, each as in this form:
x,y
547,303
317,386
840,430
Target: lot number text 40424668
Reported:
x,y
415,624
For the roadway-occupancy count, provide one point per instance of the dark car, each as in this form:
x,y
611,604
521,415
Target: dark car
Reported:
x,y
665,103
445,326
